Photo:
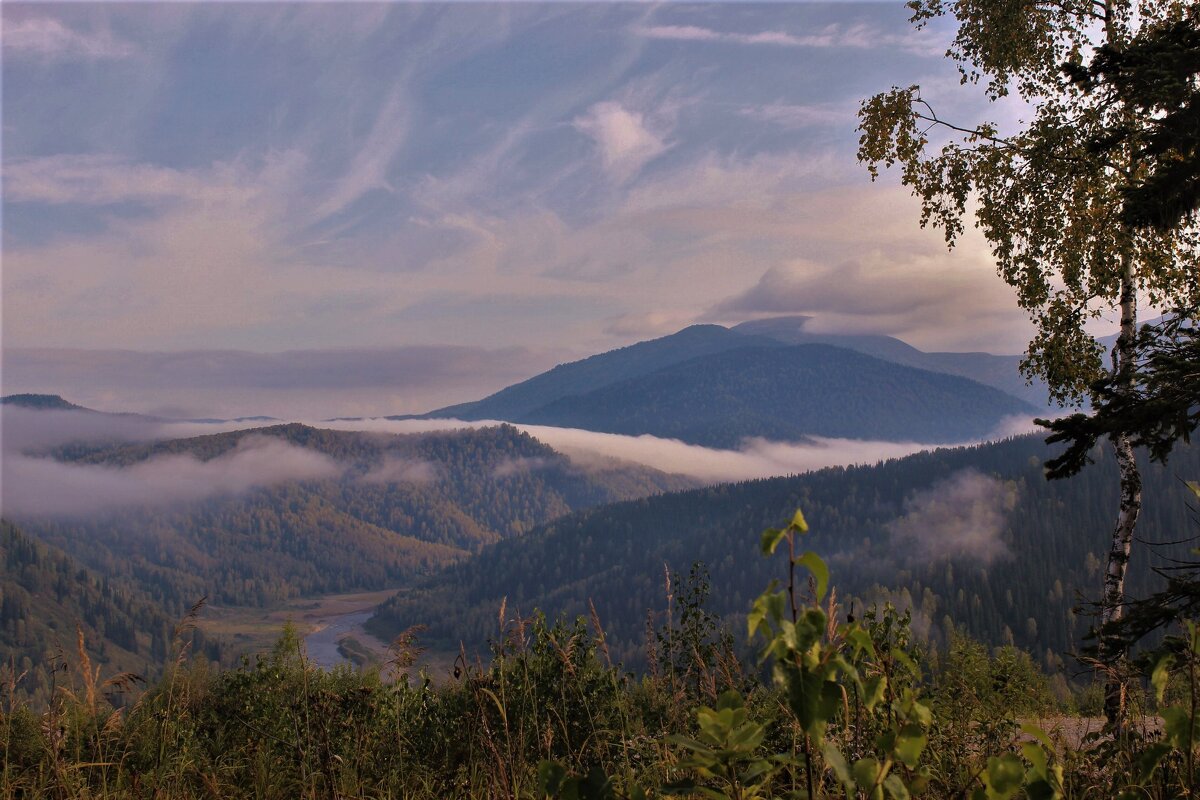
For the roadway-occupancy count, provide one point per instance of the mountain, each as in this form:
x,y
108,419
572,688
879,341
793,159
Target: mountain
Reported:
x,y
41,402
787,394
54,402
999,372
45,594
579,377
712,385
379,510
971,535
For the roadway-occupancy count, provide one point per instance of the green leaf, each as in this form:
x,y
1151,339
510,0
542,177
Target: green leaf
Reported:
x,y
1029,729
813,563
771,538
804,696
905,660
685,741
747,738
909,745
895,787
730,698
1036,756
550,778
873,691
1176,725
1042,790
1149,760
1160,675
1004,776
597,786
837,762
866,773
755,770
799,522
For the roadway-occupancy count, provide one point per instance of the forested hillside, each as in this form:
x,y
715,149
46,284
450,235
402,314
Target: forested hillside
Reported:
x,y
397,506
973,535
786,394
45,596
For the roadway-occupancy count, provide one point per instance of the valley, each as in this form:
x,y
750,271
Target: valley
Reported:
x,y
288,521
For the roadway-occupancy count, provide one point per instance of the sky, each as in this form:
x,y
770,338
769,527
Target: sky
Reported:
x,y
309,210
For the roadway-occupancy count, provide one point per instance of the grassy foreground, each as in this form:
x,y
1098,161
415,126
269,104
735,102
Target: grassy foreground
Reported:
x,y
853,708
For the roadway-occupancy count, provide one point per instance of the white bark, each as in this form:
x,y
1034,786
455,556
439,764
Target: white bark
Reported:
x,y
1113,605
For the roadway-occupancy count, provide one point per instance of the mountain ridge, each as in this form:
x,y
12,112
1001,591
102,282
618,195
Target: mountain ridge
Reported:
x,y
868,522
788,393
399,505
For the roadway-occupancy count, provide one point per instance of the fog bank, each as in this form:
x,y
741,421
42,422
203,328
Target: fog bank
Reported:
x,y
43,487
757,458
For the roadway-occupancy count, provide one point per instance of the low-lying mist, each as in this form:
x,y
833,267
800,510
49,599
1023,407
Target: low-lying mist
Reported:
x,y
757,458
961,518
44,487
30,429
34,485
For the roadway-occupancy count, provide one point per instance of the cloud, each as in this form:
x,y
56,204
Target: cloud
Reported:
x,y
402,470
857,36
50,39
102,179
626,144
881,287
369,167
961,518
805,115
389,166
757,458
25,430
916,294
43,487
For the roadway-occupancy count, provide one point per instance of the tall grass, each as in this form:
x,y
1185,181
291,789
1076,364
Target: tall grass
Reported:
x,y
547,713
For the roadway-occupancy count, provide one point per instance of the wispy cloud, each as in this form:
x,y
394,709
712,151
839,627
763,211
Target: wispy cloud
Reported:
x,y
856,36
805,115
48,38
283,176
626,143
369,168
102,179
43,487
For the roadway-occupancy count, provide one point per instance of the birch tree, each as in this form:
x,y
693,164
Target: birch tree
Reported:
x,y
1050,197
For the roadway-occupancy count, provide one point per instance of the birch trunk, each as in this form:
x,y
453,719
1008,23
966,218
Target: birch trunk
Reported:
x,y
1111,650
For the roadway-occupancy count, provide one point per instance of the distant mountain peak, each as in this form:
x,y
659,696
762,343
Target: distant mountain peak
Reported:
x,y
42,402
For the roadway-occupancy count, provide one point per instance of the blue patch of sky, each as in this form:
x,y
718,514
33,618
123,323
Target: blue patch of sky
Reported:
x,y
37,224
